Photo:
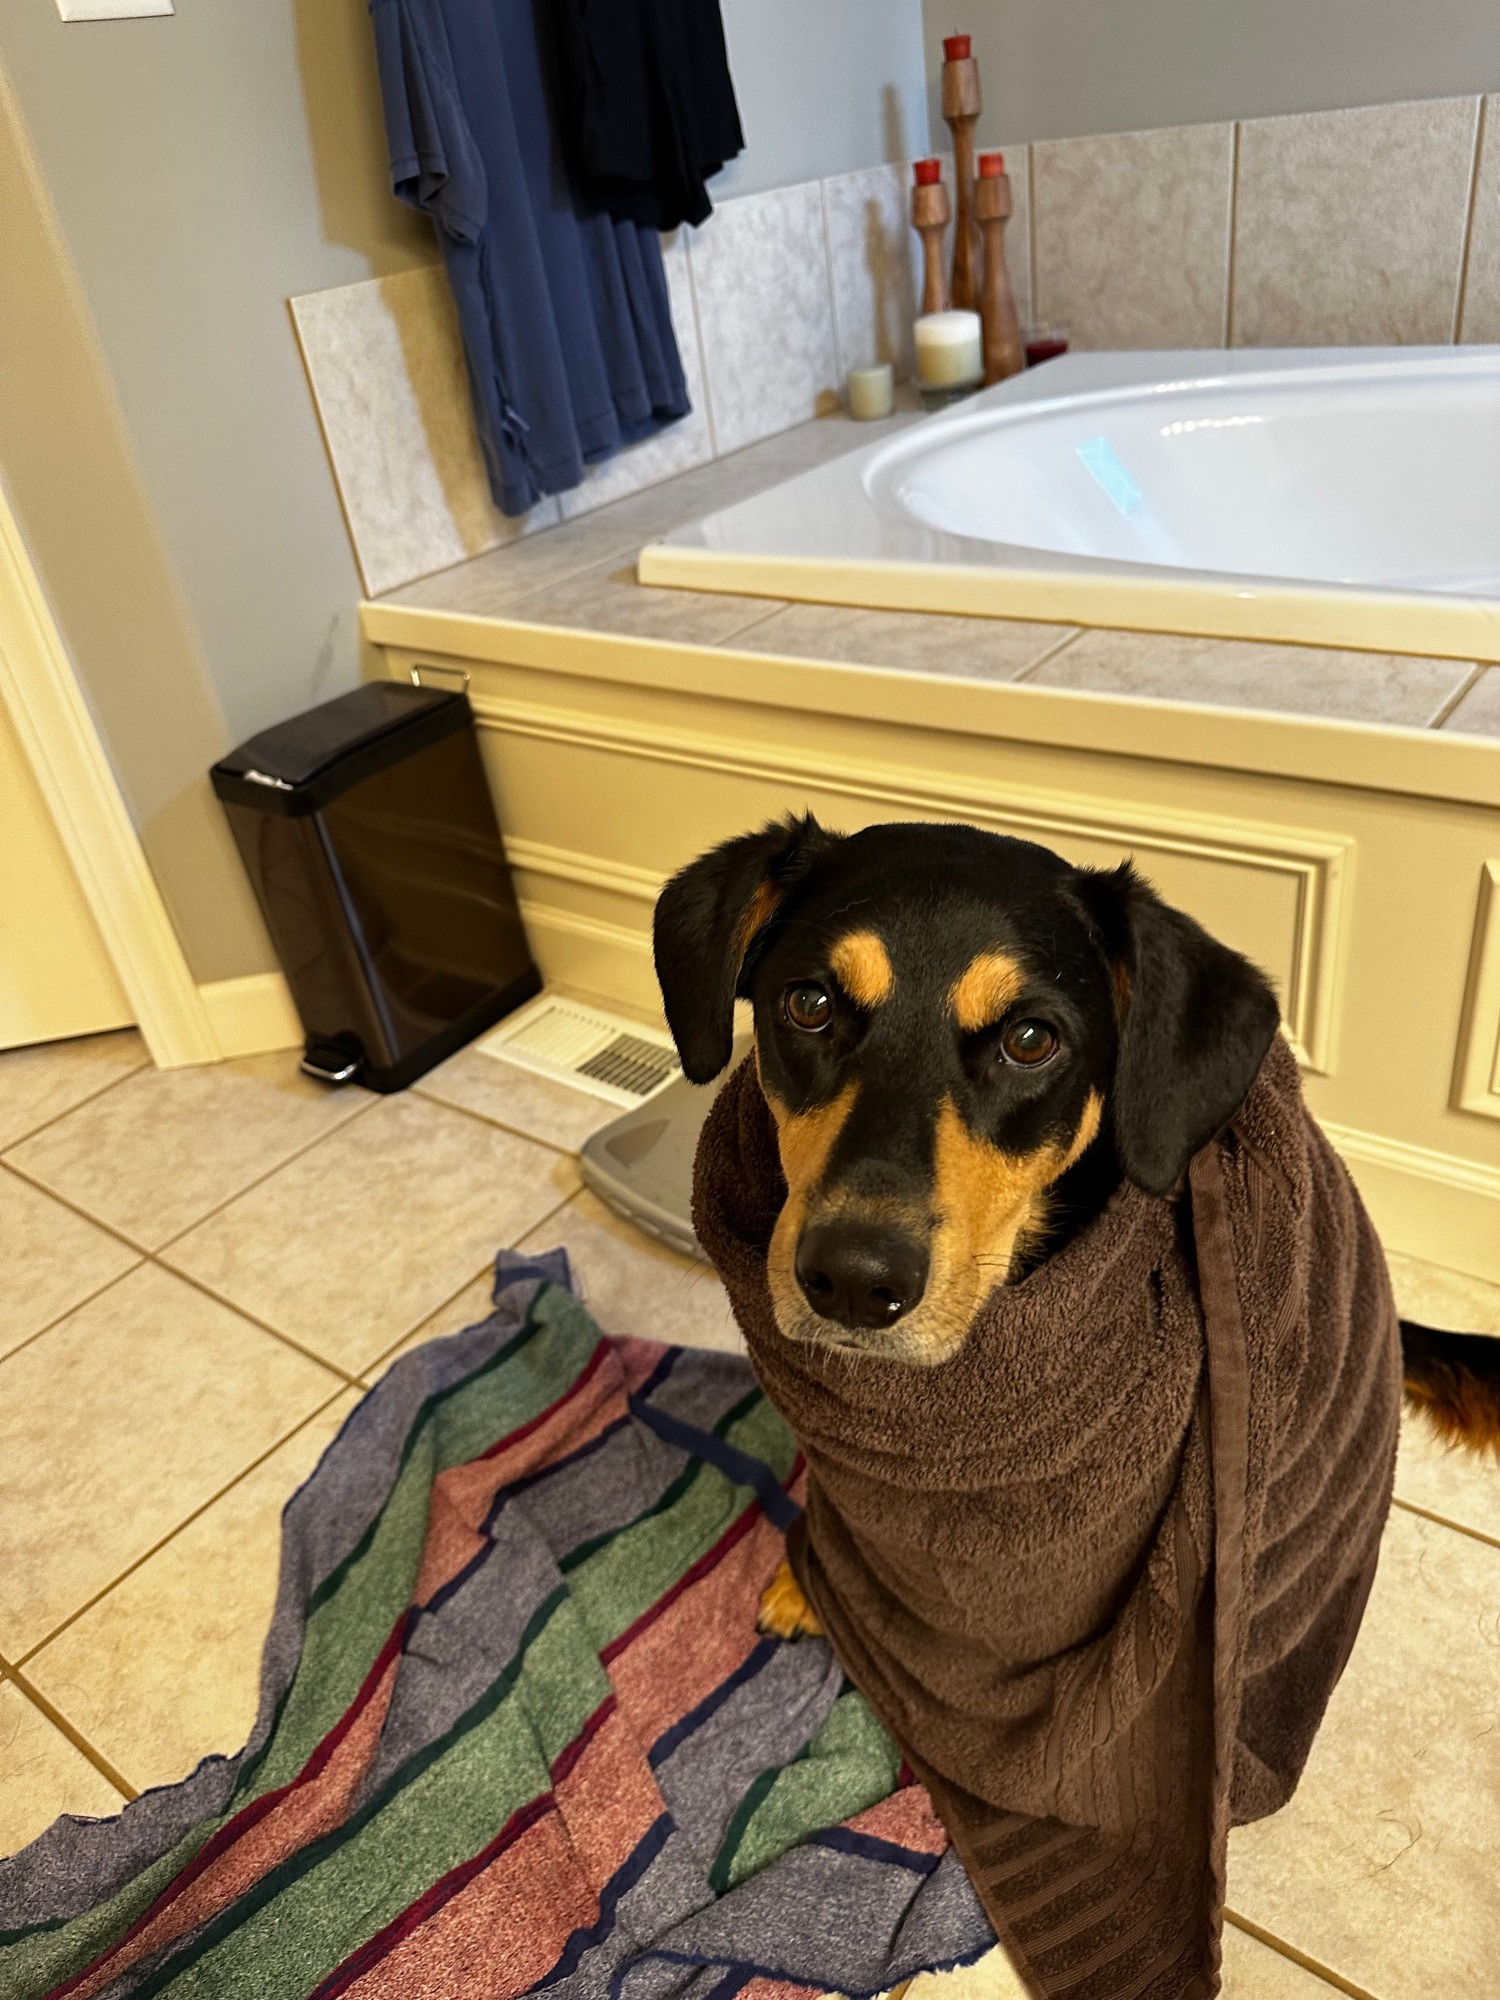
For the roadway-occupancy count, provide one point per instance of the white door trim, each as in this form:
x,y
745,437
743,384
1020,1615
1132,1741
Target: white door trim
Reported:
x,y
52,720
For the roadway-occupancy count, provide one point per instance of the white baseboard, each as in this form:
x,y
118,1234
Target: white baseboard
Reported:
x,y
1424,1203
252,1016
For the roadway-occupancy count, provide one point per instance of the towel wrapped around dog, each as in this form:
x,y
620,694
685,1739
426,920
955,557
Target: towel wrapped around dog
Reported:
x,y
1099,1572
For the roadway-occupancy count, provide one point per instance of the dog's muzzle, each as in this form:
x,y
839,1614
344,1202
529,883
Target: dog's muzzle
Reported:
x,y
862,1275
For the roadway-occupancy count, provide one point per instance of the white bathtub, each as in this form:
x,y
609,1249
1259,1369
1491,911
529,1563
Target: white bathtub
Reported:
x,y
1337,496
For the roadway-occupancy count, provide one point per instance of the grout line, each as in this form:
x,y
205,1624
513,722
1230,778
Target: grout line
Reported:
x,y
77,1306
265,1326
361,1111
498,1124
1462,298
708,394
1234,225
1445,1521
74,1735
486,1268
1059,646
1446,707
751,624
92,1098
187,1520
1302,1958
839,362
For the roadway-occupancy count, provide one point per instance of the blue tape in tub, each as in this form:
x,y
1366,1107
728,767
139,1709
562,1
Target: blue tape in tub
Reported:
x,y
1098,454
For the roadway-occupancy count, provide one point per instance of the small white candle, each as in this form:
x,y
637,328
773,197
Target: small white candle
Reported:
x,y
872,391
949,353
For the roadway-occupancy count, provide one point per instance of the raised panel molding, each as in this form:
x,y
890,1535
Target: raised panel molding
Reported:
x,y
1476,1081
1317,866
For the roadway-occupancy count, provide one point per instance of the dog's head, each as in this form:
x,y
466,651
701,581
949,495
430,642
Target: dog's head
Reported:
x,y
947,1023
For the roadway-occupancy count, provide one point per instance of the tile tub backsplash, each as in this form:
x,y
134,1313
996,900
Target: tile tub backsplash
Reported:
x,y
1362,227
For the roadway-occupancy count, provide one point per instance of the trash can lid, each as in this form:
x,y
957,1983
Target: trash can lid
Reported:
x,y
299,765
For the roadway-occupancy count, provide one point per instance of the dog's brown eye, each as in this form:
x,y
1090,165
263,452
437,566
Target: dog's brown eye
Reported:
x,y
808,1007
1028,1043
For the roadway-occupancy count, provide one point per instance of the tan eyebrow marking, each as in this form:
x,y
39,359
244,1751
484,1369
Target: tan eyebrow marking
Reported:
x,y
862,966
984,990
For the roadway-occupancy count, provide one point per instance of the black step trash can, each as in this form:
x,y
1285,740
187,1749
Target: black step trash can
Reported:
x,y
369,835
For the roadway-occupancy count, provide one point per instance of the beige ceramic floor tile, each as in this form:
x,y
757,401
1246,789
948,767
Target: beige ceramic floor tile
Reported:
x,y
633,1284
608,599
1294,680
355,1243
1382,1868
168,1145
472,1304
1458,1486
53,1259
40,1083
989,1978
165,1668
981,649
1253,1971
1439,1297
518,1099
118,1423
42,1775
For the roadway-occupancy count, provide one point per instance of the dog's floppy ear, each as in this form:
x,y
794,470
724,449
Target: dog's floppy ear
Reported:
x,y
708,916
1196,1020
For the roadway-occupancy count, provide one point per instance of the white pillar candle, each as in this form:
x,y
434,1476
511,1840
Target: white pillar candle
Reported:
x,y
872,391
949,352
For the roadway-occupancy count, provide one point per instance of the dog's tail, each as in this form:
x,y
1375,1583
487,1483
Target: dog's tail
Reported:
x,y
1454,1380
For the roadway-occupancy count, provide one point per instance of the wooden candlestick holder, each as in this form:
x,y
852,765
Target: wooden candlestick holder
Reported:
x,y
929,217
961,107
1004,349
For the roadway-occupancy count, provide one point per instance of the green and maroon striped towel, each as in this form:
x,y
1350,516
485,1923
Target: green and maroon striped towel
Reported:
x,y
517,1730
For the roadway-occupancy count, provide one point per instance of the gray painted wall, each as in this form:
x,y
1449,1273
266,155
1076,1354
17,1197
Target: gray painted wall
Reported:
x,y
208,165
1076,66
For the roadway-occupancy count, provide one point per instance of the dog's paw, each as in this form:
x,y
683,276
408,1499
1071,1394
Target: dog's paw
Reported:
x,y
784,1612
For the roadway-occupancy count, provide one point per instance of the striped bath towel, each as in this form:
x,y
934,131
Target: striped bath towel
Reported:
x,y
517,1731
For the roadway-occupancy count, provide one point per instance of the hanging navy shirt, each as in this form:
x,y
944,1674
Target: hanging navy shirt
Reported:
x,y
566,325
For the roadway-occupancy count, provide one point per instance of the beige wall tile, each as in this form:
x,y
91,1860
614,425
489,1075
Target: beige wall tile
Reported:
x,y
765,312
1132,236
168,1145
1238,673
681,445
1349,225
361,1238
41,1083
116,1424
919,642
1481,305
53,1259
608,599
42,1775
1382,1866
386,367
165,1668
869,247
507,1095
1478,714
635,1285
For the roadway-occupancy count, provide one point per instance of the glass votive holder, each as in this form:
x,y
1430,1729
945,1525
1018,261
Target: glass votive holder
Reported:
x,y
871,392
950,359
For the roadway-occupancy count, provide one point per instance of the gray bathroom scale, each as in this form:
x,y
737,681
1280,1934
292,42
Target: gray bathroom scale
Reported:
x,y
642,1164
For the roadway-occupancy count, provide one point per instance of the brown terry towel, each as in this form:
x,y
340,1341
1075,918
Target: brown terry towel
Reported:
x,y
1099,1573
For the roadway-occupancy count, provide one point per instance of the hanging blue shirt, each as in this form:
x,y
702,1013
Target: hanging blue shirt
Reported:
x,y
566,324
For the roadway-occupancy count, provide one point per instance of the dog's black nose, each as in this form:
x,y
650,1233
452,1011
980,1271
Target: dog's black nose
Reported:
x,y
859,1273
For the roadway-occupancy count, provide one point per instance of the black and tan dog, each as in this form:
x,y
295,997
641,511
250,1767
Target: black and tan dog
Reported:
x,y
966,1043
